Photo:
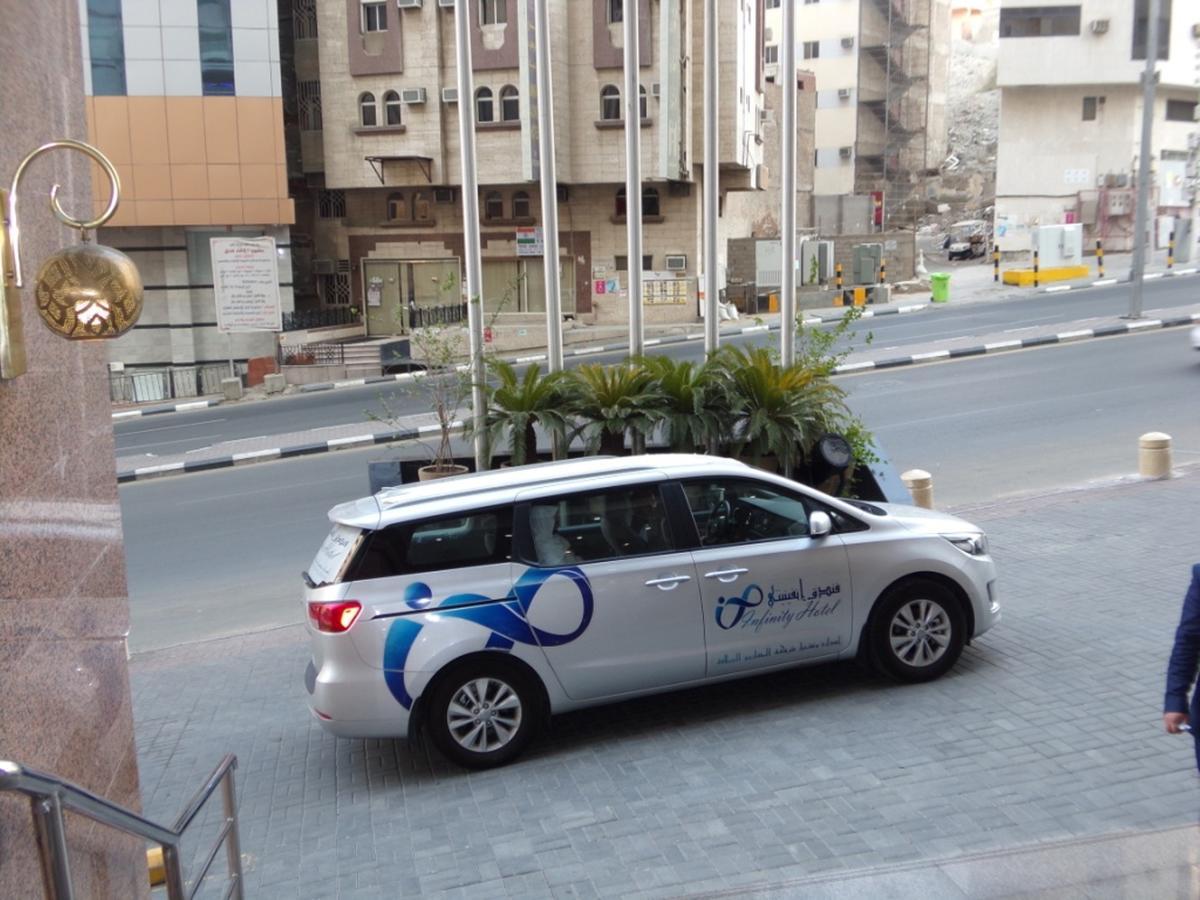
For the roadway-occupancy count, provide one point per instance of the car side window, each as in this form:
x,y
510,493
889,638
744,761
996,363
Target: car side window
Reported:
x,y
736,511
601,525
479,538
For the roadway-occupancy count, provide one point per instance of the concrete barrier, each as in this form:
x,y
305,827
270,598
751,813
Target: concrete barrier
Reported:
x,y
231,388
1154,455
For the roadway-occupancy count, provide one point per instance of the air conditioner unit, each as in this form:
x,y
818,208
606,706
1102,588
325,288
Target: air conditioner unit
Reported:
x,y
324,267
847,42
449,95
655,89
443,195
1098,26
845,152
408,4
676,262
843,93
446,4
412,95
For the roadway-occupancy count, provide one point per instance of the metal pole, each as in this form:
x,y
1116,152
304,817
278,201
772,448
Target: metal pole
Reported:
x,y
545,117
52,841
787,283
712,168
633,179
233,843
472,252
1149,79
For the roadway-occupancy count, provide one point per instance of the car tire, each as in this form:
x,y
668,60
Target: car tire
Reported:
x,y
917,631
484,712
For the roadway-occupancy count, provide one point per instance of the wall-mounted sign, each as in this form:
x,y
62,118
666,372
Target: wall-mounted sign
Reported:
x,y
246,284
375,291
529,241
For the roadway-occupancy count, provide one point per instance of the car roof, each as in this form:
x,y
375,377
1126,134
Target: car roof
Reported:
x,y
499,486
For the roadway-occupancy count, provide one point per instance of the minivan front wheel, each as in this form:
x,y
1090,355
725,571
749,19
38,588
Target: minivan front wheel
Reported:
x,y
483,713
918,631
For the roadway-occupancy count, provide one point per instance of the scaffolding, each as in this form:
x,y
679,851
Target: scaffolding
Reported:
x,y
898,60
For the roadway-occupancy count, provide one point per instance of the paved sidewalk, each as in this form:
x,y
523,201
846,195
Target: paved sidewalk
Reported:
x,y
1048,731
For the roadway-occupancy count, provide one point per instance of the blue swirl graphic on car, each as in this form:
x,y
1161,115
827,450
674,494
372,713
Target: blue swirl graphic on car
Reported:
x,y
508,620
739,604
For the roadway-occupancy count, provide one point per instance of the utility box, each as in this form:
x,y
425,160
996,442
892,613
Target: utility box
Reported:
x,y
867,258
1059,245
1183,240
820,252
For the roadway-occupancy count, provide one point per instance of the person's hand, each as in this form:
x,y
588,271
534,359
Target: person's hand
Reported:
x,y
1173,720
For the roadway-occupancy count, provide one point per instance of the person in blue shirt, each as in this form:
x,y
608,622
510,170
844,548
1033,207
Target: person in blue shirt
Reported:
x,y
1183,667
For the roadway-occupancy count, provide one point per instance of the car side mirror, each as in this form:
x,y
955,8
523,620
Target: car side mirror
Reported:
x,y
819,524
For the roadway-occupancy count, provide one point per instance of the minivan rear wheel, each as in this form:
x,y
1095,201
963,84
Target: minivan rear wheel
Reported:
x,y
918,631
483,713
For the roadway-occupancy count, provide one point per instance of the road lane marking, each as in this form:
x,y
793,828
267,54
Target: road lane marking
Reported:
x,y
169,427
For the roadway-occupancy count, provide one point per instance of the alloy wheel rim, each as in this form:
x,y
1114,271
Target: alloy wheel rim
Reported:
x,y
920,633
484,715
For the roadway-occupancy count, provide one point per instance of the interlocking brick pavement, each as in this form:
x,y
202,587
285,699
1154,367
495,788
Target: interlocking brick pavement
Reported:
x,y
1047,730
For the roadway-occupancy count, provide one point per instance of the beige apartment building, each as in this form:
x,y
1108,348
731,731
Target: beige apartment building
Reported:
x,y
185,98
881,69
1071,113
376,118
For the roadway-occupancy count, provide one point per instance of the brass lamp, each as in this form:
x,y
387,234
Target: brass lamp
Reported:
x,y
84,292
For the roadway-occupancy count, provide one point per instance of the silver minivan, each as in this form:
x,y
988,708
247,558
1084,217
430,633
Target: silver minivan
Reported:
x,y
477,606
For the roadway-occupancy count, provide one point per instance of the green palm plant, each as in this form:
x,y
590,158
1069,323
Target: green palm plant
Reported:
x,y
609,402
778,410
692,407
516,403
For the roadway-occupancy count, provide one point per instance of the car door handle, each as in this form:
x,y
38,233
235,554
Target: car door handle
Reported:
x,y
726,574
667,582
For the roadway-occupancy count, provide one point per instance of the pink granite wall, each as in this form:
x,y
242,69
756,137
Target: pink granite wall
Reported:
x,y
64,688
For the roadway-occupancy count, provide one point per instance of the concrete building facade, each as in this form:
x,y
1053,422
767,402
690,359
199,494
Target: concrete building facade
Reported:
x,y
185,98
376,120
1071,113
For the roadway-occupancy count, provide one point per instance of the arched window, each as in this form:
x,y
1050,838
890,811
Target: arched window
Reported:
x,y
483,105
391,108
650,202
420,207
397,208
521,207
510,104
493,206
620,204
642,101
366,110
610,103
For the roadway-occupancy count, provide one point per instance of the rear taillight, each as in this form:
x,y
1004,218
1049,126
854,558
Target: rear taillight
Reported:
x,y
334,617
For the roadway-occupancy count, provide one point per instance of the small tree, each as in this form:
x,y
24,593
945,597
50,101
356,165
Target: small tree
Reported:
x,y
519,403
690,401
609,402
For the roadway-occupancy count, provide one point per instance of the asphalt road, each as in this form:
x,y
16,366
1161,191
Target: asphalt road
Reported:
x,y
182,432
221,552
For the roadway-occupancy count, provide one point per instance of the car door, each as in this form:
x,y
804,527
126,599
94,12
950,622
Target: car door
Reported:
x,y
609,559
772,595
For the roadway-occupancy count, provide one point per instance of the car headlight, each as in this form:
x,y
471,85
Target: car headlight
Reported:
x,y
973,543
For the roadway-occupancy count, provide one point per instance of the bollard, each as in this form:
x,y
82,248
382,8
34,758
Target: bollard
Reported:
x,y
882,270
996,266
1035,268
231,388
1099,258
920,485
1171,251
1154,455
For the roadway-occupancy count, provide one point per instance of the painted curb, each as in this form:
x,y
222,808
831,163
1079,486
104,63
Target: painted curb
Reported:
x,y
1108,282
158,410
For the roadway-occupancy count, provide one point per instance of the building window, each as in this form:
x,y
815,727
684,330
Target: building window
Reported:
x,y
421,209
650,205
483,105
331,204
366,110
642,101
1040,21
397,208
216,47
106,43
621,263
521,206
1141,21
510,104
304,19
610,103
391,108
772,4
493,12
616,11
335,289
1091,106
493,206
619,205
308,97
1181,111
374,17
812,49
771,54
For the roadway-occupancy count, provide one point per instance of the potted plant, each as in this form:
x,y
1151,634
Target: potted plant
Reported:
x,y
446,387
516,403
609,402
691,404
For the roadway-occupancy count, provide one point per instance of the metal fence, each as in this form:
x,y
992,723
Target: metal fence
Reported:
x,y
144,385
316,354
420,316
319,318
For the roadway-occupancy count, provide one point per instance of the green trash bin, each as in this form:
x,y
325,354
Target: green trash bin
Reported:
x,y
939,282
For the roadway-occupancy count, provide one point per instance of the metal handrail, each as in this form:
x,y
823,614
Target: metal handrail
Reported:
x,y
49,796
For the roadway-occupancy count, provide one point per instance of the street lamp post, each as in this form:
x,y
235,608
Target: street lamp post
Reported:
x,y
1149,79
712,168
787,282
549,178
633,178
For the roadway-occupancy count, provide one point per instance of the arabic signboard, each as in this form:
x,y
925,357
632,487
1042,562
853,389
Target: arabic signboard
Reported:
x,y
246,284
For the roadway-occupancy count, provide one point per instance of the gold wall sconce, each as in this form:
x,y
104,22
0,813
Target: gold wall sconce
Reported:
x,y
84,292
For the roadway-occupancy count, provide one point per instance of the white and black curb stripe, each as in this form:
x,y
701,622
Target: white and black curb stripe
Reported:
x,y
1041,340
224,462
171,408
1108,282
